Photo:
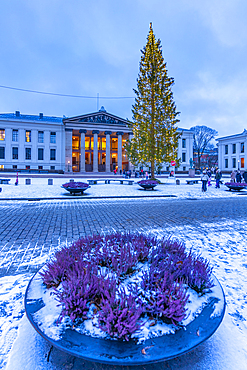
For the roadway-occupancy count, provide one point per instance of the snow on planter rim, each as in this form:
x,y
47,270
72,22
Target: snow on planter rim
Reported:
x,y
42,311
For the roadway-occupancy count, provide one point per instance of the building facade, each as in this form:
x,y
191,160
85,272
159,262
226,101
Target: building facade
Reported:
x,y
232,152
86,143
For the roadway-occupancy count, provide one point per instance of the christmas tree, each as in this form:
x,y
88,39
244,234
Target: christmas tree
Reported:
x,y
155,136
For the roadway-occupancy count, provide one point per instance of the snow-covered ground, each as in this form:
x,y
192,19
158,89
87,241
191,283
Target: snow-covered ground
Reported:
x,y
224,244
39,188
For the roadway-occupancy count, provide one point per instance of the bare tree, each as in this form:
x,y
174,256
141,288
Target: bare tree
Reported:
x,y
202,137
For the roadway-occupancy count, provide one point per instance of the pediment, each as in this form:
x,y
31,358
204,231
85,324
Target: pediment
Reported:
x,y
100,117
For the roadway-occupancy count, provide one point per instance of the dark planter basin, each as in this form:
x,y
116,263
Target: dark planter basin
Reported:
x,y
74,191
119,353
235,187
148,186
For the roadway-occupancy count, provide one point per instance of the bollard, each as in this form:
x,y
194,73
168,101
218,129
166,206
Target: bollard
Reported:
x,y
28,181
50,181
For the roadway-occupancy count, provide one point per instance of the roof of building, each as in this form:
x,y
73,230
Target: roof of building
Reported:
x,y
30,117
232,136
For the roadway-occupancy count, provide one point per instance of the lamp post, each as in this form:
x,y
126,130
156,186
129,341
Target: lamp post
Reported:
x,y
238,164
68,165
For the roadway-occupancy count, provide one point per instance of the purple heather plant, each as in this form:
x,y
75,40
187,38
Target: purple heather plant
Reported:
x,y
147,182
93,270
75,185
236,183
119,316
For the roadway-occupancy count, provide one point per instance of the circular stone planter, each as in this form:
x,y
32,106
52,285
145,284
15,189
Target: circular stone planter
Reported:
x,y
119,353
75,189
147,184
234,186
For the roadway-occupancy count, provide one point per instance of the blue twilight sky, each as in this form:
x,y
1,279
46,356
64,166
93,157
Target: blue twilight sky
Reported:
x,y
86,48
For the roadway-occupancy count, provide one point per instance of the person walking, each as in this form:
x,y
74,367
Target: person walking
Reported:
x,y
245,176
238,176
233,176
209,173
146,175
217,178
204,179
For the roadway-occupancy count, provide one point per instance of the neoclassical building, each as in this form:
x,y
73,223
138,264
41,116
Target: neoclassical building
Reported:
x,y
232,152
87,143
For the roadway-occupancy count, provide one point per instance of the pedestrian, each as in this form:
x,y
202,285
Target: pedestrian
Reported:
x,y
129,174
233,176
217,178
16,181
209,177
115,171
120,172
123,172
245,176
146,174
142,173
204,178
238,176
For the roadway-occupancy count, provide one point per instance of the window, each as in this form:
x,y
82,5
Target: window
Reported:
x,y
15,135
52,167
242,148
40,154
75,142
2,134
53,138
183,157
53,154
233,148
40,167
28,136
27,167
14,167
226,149
28,153
242,162
234,162
40,136
114,143
226,162
184,168
183,143
14,153
2,152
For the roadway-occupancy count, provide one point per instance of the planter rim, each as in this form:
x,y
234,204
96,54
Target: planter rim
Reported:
x,y
114,352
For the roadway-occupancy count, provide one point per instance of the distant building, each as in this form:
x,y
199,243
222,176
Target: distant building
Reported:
x,y
232,152
87,143
208,159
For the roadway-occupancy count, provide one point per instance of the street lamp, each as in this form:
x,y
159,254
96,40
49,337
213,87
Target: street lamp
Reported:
x,y
68,165
238,164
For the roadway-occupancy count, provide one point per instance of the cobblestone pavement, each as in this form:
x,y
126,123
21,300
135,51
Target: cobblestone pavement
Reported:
x,y
30,230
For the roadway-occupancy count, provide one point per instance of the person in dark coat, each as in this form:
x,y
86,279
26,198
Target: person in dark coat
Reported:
x,y
239,177
245,176
218,176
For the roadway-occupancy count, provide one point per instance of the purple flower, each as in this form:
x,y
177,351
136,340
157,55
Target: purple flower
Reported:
x,y
75,185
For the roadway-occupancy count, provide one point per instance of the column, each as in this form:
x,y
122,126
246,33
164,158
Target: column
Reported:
x,y
119,151
220,159
131,167
82,159
108,152
68,149
95,150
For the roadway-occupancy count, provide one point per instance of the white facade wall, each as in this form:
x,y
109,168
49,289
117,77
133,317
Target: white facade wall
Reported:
x,y
63,145
232,152
22,125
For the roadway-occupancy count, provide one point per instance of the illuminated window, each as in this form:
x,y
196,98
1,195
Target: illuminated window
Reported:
x,y
92,143
103,143
114,143
75,142
87,142
15,135
2,134
99,142
28,136
242,162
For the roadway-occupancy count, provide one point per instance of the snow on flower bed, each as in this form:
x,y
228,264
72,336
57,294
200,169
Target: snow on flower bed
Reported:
x,y
123,286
